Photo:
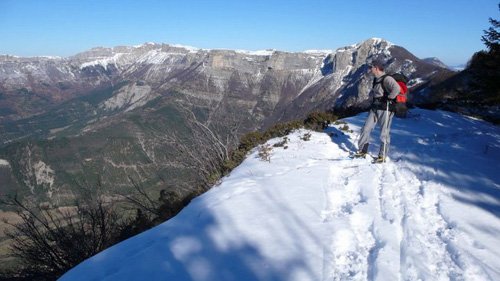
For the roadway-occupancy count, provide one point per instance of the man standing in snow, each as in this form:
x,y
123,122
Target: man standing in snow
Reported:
x,y
385,89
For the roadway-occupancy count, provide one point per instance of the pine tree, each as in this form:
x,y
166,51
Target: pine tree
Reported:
x,y
485,69
491,36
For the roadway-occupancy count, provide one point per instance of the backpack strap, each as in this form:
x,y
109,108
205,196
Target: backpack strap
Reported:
x,y
381,81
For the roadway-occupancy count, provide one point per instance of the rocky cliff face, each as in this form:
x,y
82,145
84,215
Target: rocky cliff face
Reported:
x,y
32,86
109,112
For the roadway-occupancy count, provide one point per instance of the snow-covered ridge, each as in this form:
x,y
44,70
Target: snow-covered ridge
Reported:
x,y
157,53
192,49
311,213
104,62
159,56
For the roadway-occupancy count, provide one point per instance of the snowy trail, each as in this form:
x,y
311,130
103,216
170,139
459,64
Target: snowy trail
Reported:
x,y
392,217
429,248
431,213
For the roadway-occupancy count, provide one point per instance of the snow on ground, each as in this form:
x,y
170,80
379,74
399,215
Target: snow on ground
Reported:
x,y
430,213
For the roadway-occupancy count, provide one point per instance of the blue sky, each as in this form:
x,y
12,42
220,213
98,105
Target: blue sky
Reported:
x,y
448,29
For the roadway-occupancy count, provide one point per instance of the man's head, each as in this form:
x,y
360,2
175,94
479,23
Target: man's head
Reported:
x,y
377,67
378,63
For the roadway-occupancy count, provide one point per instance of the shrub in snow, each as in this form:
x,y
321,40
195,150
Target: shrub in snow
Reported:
x,y
265,152
282,129
306,136
318,121
282,143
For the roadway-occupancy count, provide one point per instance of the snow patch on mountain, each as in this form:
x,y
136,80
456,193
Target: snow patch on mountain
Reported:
x,y
104,62
157,57
380,40
415,82
44,174
39,175
4,162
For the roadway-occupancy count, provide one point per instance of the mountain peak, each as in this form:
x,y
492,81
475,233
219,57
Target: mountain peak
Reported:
x,y
435,61
378,41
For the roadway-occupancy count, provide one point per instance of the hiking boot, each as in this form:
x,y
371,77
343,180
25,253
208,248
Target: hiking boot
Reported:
x,y
379,160
362,152
359,154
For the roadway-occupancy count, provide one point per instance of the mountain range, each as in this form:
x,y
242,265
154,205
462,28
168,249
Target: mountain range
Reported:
x,y
111,116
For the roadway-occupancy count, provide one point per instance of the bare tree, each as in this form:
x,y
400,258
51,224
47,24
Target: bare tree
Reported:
x,y
207,147
48,242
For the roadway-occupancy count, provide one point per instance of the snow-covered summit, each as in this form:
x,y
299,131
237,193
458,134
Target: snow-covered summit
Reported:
x,y
430,213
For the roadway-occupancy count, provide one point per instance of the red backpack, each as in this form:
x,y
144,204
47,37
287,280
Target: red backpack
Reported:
x,y
402,81
399,107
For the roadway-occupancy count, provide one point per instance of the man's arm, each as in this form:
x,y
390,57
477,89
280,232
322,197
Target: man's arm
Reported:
x,y
392,87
